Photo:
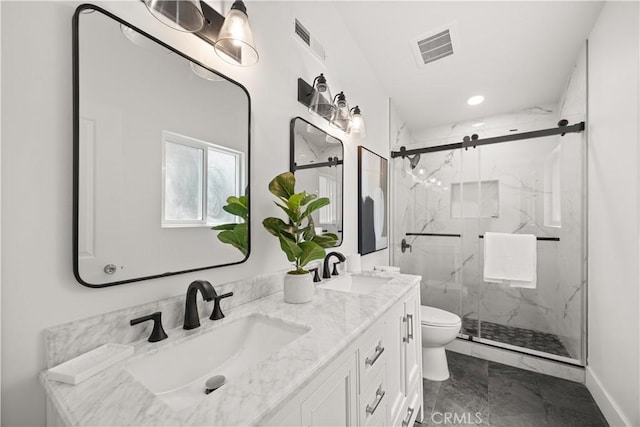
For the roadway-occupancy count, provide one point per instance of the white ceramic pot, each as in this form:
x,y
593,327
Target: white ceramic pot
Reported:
x,y
298,288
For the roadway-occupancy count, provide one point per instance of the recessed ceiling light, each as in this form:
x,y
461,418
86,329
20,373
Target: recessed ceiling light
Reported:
x,y
475,125
475,100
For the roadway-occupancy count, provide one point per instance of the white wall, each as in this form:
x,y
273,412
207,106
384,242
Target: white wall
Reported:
x,y
613,324
38,285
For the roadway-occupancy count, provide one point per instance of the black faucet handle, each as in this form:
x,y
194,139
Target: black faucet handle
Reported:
x,y
335,268
217,313
158,333
316,274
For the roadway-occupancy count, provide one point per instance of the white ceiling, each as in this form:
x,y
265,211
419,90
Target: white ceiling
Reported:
x,y
517,54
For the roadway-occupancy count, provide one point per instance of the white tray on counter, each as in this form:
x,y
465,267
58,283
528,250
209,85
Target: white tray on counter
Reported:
x,y
80,368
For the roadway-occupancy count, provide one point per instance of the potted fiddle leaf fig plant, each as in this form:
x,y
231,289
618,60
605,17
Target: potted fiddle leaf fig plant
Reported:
x,y
235,233
297,235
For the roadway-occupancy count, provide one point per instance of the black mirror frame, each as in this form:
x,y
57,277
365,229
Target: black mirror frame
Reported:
x,y
292,164
76,146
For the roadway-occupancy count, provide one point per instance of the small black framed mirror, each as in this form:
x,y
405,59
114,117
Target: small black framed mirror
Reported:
x,y
160,143
317,158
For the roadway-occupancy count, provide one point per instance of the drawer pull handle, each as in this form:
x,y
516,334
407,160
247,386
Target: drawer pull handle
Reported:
x,y
379,396
379,351
405,422
410,332
405,319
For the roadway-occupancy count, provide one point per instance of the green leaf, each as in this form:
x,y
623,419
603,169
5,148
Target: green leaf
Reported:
x,y
309,231
238,238
327,240
274,226
229,226
307,199
310,252
283,185
295,200
290,248
315,205
236,209
293,215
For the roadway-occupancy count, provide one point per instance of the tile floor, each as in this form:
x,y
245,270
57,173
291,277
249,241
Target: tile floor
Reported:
x,y
521,337
483,393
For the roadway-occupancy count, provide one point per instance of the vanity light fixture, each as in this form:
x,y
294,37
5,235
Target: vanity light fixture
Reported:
x,y
181,15
317,98
321,99
205,74
357,127
231,37
235,40
341,118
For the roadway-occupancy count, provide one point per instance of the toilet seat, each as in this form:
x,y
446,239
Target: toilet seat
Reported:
x,y
431,316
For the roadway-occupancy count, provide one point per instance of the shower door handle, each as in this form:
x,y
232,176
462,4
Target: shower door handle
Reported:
x,y
404,246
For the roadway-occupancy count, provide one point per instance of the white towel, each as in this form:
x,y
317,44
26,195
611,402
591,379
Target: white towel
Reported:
x,y
510,259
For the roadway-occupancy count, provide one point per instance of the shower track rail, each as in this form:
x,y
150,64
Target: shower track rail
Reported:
x,y
562,129
544,239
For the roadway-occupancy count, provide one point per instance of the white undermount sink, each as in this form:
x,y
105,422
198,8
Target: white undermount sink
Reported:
x,y
178,374
355,284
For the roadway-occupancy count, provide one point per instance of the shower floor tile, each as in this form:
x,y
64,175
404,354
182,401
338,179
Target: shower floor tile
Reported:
x,y
521,337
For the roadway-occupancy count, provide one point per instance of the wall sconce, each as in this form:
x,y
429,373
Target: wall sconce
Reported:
x,y
321,100
357,127
341,118
180,15
231,38
317,98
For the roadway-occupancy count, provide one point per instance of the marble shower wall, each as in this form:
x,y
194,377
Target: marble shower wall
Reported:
x,y
451,266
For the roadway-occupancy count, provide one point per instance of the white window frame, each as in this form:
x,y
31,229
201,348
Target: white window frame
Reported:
x,y
175,138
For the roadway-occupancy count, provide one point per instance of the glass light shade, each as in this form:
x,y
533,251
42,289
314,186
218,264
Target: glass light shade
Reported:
x,y
341,118
204,73
235,40
321,99
357,123
181,15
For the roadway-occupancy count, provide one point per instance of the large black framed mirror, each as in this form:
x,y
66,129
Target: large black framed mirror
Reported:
x,y
160,143
316,159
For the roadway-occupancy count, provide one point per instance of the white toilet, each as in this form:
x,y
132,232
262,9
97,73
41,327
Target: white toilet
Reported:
x,y
439,328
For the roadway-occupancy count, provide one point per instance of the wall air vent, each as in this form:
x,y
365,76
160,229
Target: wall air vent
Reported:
x,y
305,37
434,46
302,32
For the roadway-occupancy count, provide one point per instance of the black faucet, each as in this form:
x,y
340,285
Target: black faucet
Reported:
x,y
316,276
325,267
191,318
158,333
217,313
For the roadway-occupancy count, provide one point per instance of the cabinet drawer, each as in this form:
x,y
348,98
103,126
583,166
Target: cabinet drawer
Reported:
x,y
410,411
373,401
372,355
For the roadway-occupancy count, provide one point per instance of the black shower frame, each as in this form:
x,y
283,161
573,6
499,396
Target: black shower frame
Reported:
x,y
470,142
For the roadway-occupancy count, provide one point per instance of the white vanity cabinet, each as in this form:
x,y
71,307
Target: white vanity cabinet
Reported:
x,y
376,382
404,375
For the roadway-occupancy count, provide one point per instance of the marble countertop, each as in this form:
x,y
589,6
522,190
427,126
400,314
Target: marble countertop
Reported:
x,y
335,319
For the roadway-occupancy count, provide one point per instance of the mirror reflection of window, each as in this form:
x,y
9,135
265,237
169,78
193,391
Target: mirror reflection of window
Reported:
x,y
191,197
327,187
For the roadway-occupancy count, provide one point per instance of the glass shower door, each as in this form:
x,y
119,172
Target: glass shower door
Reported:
x,y
432,241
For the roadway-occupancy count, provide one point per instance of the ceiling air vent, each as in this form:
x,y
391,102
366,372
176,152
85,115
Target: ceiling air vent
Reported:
x,y
304,35
434,46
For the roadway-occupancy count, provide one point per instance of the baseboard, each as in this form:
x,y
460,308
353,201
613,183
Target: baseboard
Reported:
x,y
615,417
